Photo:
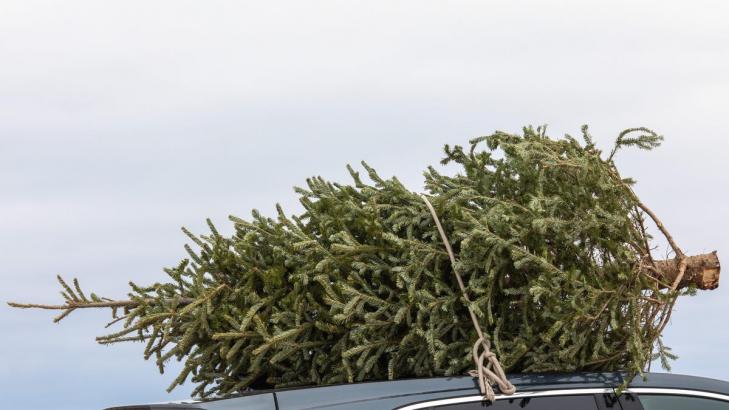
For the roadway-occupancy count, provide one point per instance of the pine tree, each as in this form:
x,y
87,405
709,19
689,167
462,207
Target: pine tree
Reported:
x,y
550,240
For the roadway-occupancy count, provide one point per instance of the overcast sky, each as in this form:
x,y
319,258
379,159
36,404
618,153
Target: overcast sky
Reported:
x,y
122,121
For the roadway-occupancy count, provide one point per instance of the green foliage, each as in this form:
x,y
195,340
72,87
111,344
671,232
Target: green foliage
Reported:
x,y
358,287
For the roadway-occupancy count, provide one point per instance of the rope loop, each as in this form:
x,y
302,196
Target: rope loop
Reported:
x,y
488,369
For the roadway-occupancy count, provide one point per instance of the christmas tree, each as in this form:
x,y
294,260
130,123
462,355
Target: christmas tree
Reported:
x,y
550,240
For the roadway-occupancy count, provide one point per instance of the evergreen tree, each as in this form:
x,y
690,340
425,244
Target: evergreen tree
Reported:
x,y
550,240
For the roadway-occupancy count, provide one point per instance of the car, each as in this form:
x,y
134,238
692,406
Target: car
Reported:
x,y
544,391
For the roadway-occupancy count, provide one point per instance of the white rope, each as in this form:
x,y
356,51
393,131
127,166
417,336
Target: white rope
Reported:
x,y
488,369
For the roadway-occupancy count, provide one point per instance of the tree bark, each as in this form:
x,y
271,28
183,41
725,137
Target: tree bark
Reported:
x,y
701,270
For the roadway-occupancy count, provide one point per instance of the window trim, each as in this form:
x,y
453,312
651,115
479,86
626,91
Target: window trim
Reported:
x,y
679,392
517,395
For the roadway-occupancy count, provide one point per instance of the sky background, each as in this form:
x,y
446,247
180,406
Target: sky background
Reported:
x,y
120,122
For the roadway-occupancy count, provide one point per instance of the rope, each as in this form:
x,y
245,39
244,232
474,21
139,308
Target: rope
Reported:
x,y
491,373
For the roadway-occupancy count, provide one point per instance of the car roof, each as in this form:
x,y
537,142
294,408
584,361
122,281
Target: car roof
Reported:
x,y
362,395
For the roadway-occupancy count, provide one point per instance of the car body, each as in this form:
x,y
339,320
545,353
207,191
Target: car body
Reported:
x,y
574,391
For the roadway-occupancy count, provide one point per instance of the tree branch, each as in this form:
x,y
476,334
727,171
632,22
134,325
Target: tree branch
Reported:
x,y
84,305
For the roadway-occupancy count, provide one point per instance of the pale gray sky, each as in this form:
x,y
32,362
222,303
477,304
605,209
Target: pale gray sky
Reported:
x,y
122,121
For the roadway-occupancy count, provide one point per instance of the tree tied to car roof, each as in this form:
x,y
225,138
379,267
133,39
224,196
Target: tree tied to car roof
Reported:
x,y
551,241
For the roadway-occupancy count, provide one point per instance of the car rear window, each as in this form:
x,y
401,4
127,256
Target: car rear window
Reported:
x,y
676,402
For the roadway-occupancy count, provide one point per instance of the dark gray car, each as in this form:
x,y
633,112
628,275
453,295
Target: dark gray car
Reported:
x,y
577,391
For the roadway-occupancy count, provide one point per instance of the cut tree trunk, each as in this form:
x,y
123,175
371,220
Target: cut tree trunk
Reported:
x,y
701,270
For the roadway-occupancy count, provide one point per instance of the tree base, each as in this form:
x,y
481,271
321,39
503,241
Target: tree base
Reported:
x,y
701,270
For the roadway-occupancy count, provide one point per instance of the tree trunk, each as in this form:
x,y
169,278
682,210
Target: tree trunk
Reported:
x,y
702,270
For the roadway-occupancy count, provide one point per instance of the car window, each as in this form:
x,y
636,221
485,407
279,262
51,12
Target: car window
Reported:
x,y
584,402
675,402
